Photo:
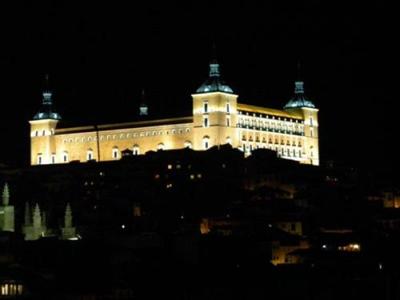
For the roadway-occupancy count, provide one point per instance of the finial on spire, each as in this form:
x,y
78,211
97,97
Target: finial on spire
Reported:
x,y
214,66
143,108
299,87
46,91
47,110
68,216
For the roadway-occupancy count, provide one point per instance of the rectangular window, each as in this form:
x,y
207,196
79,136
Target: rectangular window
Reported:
x,y
205,107
228,122
311,132
228,108
205,122
53,158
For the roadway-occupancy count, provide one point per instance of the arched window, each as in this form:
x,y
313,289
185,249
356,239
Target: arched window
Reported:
x,y
53,158
160,146
39,159
206,142
136,150
228,121
188,144
89,154
115,153
65,157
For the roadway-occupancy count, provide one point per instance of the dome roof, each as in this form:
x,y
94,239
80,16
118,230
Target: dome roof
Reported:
x,y
47,110
214,83
299,99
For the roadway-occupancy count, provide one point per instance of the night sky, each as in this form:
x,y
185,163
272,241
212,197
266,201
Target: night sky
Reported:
x,y
100,56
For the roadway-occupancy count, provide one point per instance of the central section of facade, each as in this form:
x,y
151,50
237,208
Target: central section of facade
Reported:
x,y
217,119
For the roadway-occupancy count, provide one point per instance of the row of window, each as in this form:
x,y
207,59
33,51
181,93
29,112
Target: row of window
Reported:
x,y
271,140
271,126
43,132
206,108
281,151
115,154
207,124
266,116
127,135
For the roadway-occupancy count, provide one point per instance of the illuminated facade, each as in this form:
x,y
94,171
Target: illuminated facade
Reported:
x,y
218,118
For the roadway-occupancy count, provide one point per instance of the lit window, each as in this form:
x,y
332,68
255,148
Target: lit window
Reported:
x,y
136,150
188,145
115,153
89,154
205,122
205,107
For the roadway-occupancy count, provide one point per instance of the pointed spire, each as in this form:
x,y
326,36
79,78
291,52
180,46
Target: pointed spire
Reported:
x,y
37,217
68,216
214,65
214,83
6,195
143,108
47,92
47,110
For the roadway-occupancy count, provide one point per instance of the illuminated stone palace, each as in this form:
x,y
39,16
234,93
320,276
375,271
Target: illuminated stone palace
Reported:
x,y
218,118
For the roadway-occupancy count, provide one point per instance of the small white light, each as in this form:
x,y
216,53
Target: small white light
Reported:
x,y
123,226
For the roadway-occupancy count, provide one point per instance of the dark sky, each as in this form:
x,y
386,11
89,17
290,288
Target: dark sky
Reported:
x,y
100,56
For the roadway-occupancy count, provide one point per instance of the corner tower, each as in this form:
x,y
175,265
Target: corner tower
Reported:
x,y
214,112
43,126
302,106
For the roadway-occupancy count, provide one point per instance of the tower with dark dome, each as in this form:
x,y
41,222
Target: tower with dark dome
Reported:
x,y
214,111
43,126
301,105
